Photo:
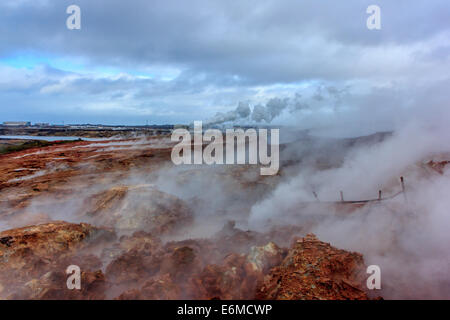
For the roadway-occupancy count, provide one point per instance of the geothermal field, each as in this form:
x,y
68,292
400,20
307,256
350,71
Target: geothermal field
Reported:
x,y
140,227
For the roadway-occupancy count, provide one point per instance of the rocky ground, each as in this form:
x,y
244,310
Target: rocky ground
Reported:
x,y
107,208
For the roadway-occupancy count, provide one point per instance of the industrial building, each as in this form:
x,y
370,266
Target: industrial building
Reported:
x,y
17,123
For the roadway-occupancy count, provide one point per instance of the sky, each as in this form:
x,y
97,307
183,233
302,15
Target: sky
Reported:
x,y
140,61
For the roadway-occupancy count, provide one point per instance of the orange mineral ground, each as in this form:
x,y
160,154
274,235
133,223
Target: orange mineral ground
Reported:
x,y
140,228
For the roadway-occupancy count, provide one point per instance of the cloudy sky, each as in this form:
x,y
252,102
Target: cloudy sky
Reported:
x,y
178,61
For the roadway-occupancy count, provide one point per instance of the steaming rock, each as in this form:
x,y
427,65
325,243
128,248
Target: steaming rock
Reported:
x,y
131,208
315,270
27,254
46,240
238,275
162,288
52,286
138,257
263,258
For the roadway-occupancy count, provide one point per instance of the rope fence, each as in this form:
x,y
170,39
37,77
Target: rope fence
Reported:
x,y
380,198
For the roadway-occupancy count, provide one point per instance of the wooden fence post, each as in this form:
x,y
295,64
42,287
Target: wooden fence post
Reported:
x,y
342,196
315,195
403,188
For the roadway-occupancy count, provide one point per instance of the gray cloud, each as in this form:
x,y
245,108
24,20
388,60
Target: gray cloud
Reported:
x,y
257,42
201,59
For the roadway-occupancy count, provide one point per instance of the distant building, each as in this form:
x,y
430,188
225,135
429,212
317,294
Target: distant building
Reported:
x,y
181,126
16,123
42,124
